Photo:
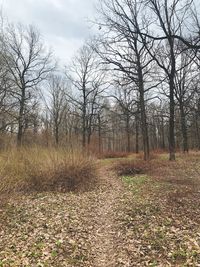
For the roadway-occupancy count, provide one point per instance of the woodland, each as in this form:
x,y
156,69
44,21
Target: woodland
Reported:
x,y
100,157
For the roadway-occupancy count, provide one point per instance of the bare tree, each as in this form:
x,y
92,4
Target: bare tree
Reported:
x,y
186,85
168,17
57,104
127,101
88,83
122,47
28,64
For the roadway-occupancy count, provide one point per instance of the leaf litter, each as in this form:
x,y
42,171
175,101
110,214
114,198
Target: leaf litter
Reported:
x,y
143,220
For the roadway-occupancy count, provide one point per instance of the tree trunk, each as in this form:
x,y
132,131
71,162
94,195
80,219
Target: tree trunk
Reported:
x,y
171,123
144,131
142,108
136,134
184,129
128,133
197,130
144,120
84,128
89,137
21,119
163,133
172,103
99,134
57,135
20,132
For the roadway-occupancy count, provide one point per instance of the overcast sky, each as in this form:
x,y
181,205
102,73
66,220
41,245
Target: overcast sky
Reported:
x,y
64,24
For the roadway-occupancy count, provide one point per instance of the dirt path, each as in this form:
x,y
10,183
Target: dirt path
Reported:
x,y
106,238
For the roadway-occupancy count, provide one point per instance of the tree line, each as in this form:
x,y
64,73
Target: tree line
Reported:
x,y
132,87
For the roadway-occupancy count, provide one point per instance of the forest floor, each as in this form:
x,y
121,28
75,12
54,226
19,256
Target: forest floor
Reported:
x,y
151,219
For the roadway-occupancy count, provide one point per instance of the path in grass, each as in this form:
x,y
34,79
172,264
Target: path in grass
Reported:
x,y
65,229
107,244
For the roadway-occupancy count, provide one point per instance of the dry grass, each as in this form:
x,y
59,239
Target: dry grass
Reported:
x,y
44,169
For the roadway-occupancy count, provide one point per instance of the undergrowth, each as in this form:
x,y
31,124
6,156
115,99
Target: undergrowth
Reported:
x,y
130,168
113,155
45,169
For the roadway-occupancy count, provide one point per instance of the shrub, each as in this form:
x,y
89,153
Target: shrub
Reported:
x,y
130,168
45,169
113,155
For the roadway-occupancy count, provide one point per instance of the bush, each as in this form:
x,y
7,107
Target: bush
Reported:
x,y
45,169
113,155
130,168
